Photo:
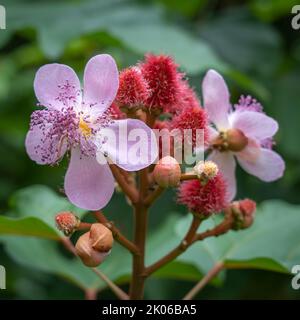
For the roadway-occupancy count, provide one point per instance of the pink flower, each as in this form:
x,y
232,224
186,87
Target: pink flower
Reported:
x,y
76,121
242,132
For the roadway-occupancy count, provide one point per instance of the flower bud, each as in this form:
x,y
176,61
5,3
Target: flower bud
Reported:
x,y
243,212
236,140
101,237
206,170
167,172
67,222
89,256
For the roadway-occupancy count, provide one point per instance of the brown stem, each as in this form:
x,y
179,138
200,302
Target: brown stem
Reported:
x,y
153,196
188,176
127,188
84,226
141,213
114,288
204,281
186,242
222,228
118,236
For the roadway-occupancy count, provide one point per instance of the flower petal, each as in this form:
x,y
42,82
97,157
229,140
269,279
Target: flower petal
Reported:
x,y
43,148
226,164
253,124
216,99
57,86
267,166
101,82
88,184
212,134
130,144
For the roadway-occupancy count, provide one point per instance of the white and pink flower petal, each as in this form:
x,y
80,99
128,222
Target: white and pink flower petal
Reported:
x,y
57,86
88,184
212,134
267,165
226,164
130,144
42,147
101,82
216,99
253,124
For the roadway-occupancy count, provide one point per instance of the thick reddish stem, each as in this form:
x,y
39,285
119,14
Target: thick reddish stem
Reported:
x,y
141,215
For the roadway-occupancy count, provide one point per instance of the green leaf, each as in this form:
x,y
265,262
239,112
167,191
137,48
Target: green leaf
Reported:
x,y
270,244
193,54
35,206
140,28
189,8
249,85
45,255
163,240
286,109
269,10
42,203
244,42
26,227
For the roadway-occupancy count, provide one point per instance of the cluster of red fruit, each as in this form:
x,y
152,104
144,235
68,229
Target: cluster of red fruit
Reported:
x,y
157,85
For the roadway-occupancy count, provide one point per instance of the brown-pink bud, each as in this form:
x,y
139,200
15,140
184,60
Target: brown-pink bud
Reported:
x,y
101,237
67,222
167,172
243,212
89,256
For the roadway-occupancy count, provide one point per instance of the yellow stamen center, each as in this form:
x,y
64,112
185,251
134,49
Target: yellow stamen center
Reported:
x,y
85,129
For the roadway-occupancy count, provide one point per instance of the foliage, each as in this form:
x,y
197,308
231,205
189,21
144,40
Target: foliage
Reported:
x,y
252,44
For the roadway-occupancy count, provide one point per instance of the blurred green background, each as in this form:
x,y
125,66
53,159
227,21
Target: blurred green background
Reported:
x,y
254,46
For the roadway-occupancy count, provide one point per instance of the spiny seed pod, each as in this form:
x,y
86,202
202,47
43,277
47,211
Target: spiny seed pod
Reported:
x,y
167,172
206,170
89,256
163,78
192,118
67,222
243,212
101,237
133,88
204,199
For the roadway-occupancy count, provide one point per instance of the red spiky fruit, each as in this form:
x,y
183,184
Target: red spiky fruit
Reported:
x,y
204,199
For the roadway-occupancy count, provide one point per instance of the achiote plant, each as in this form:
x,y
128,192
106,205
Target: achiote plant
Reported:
x,y
146,120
